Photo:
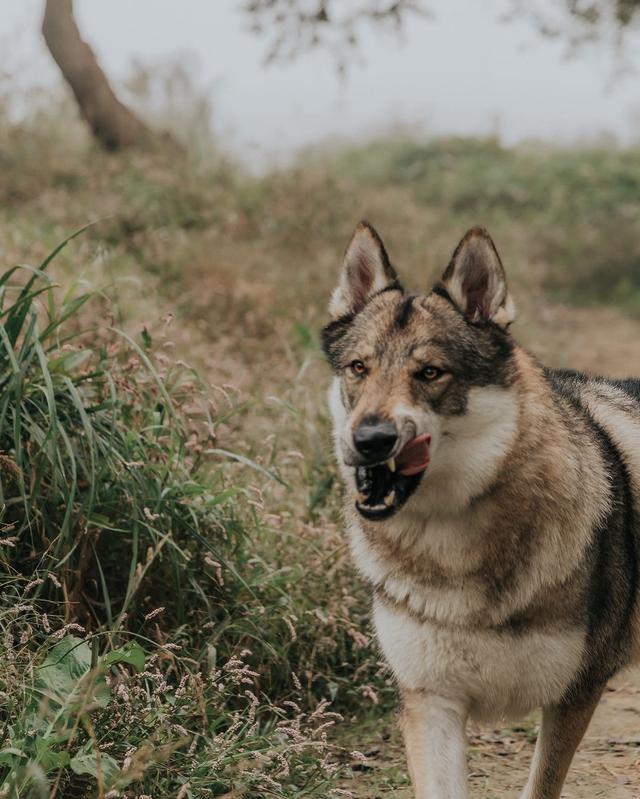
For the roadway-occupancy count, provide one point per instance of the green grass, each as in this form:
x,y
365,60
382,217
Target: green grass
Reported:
x,y
579,206
150,642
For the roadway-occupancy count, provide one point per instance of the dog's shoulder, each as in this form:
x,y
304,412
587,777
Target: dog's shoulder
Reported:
x,y
570,383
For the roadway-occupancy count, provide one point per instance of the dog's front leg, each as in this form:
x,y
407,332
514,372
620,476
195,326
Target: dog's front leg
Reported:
x,y
434,734
561,731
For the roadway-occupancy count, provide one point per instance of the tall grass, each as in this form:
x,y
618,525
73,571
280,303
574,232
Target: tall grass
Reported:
x,y
96,458
157,636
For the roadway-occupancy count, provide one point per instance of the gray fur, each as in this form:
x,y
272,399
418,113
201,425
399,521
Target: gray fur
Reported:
x,y
521,536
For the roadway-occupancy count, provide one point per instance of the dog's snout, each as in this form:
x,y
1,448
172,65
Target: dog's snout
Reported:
x,y
375,438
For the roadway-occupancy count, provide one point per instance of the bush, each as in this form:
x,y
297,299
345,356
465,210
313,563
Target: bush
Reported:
x,y
156,637
578,207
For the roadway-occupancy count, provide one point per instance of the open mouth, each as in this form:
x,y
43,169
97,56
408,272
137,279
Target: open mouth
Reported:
x,y
383,488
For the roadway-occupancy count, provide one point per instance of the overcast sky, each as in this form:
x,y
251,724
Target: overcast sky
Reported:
x,y
463,71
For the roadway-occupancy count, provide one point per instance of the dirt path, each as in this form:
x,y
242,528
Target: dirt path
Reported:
x,y
606,764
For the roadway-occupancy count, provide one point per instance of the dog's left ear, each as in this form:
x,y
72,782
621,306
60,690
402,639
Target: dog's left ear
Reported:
x,y
366,270
476,282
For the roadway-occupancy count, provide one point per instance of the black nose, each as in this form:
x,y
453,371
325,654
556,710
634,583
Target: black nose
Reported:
x,y
375,439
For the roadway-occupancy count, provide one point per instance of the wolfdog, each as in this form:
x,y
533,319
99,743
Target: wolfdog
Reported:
x,y
493,506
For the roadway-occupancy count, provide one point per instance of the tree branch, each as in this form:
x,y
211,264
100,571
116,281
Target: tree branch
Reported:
x,y
113,124
297,26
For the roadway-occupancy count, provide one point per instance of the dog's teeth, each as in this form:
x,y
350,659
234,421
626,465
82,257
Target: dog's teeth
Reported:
x,y
391,463
390,498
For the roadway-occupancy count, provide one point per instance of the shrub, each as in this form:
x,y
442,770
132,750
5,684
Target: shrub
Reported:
x,y
154,638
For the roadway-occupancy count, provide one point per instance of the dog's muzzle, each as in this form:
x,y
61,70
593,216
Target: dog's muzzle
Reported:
x,y
384,487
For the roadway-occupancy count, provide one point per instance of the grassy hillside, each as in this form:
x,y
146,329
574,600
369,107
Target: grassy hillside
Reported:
x,y
171,526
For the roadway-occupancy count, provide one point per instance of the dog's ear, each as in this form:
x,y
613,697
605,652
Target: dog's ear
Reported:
x,y
366,270
476,282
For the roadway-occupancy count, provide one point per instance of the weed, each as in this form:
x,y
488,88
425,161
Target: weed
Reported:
x,y
149,644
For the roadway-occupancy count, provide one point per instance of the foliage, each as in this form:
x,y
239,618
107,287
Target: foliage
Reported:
x,y
578,206
148,645
129,725
295,26
581,21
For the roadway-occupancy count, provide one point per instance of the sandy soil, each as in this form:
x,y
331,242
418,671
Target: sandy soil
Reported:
x,y
606,764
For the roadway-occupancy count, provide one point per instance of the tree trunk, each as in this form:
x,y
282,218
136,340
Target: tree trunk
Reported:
x,y
112,123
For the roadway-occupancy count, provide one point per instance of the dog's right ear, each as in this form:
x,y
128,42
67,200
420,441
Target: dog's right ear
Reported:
x,y
366,271
475,280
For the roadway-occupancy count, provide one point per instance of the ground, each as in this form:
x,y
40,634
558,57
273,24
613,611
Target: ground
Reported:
x,y
606,764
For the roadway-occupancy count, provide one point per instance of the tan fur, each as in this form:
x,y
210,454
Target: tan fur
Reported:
x,y
480,577
440,560
610,407
431,756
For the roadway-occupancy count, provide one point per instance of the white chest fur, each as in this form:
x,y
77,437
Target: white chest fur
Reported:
x,y
495,674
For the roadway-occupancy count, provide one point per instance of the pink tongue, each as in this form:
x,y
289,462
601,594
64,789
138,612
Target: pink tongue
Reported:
x,y
414,456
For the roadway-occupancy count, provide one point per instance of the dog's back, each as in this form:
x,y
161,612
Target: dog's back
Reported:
x,y
611,409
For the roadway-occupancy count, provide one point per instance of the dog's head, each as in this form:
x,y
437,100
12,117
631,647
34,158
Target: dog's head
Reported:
x,y
421,381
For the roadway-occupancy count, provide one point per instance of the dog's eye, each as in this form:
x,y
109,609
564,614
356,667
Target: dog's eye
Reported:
x,y
358,368
430,373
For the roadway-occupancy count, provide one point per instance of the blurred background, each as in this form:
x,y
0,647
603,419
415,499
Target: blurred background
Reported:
x,y
171,520
459,68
